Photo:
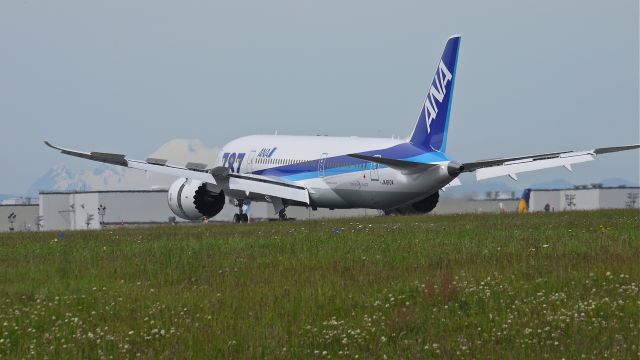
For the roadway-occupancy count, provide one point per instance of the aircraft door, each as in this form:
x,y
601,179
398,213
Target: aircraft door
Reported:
x,y
321,162
249,167
373,170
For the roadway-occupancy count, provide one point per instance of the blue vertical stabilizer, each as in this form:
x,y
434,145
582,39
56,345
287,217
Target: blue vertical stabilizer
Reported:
x,y
430,131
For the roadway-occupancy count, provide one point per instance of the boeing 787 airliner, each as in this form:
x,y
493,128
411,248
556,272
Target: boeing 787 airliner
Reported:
x,y
401,176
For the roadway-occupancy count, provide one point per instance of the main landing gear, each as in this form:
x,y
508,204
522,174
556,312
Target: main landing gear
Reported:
x,y
240,217
282,215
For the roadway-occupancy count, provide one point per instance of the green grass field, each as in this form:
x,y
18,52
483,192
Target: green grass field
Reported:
x,y
563,285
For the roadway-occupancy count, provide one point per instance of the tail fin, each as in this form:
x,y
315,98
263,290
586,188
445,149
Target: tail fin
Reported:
x,y
430,131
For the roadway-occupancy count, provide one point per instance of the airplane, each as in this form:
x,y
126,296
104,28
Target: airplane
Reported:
x,y
393,175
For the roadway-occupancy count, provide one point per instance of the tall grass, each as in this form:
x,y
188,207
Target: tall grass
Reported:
x,y
471,286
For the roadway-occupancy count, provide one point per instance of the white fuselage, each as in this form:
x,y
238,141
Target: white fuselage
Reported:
x,y
334,180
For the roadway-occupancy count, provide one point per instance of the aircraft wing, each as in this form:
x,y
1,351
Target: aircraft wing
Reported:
x,y
486,169
243,182
191,170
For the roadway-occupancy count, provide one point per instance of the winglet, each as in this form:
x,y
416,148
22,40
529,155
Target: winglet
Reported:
x,y
50,145
66,151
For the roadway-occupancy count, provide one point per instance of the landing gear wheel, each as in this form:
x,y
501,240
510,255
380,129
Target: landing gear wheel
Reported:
x,y
282,215
240,217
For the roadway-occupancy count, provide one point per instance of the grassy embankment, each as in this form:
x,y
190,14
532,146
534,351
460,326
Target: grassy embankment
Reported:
x,y
475,286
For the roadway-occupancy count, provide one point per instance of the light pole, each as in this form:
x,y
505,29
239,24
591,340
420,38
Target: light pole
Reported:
x,y
570,200
12,219
88,221
633,199
102,210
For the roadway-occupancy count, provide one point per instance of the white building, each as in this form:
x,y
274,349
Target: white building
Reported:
x,y
584,198
80,210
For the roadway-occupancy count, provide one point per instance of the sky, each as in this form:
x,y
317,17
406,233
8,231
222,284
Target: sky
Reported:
x,y
129,75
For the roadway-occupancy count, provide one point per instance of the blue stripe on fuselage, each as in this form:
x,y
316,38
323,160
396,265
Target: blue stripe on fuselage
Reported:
x,y
336,165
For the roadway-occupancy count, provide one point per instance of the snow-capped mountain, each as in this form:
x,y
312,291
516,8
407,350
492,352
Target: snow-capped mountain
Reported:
x,y
57,178
108,177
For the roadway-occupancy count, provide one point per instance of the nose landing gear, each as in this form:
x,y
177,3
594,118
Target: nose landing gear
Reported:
x,y
240,217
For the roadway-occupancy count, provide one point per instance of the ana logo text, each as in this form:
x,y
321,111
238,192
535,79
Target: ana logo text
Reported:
x,y
267,152
437,92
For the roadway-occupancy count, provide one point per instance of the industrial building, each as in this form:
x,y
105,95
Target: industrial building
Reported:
x,y
584,198
76,210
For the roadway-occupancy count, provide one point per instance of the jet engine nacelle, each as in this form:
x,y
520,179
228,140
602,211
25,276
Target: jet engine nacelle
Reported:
x,y
193,199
